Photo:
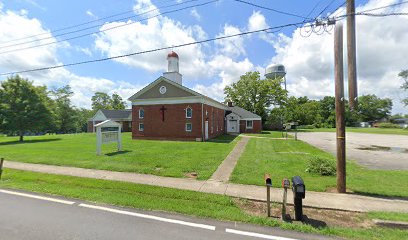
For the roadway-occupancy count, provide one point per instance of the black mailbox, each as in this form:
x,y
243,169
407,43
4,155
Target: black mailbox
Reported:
x,y
298,187
268,180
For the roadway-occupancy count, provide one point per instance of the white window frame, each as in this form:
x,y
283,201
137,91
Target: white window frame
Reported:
x,y
141,129
252,124
191,129
191,112
140,110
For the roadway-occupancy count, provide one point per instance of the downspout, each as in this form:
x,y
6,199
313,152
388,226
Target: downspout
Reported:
x,y
202,120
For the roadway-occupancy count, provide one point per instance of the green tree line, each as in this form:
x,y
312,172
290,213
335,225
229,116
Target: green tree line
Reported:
x,y
28,109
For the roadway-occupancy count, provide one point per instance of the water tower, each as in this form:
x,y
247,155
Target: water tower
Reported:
x,y
276,71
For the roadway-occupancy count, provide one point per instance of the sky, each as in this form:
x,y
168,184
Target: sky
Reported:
x,y
94,29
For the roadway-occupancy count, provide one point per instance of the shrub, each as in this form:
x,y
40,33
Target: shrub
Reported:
x,y
388,125
322,166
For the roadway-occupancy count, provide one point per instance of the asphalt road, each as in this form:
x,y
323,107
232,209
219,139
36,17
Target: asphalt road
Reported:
x,y
25,217
375,151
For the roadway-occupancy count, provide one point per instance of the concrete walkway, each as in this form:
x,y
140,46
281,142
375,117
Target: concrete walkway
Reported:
x,y
225,169
338,201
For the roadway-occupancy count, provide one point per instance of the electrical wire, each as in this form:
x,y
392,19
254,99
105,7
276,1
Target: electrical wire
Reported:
x,y
108,29
91,27
148,51
273,10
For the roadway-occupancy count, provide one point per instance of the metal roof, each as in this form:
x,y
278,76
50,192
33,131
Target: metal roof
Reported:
x,y
117,114
243,113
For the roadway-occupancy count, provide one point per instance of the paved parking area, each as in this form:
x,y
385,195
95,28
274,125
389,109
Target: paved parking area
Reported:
x,y
375,151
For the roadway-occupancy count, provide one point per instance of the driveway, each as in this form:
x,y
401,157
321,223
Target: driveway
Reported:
x,y
375,151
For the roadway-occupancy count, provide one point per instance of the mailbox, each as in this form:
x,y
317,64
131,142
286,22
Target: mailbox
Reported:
x,y
268,180
285,183
298,187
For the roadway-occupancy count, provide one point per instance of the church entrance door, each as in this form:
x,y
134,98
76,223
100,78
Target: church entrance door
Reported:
x,y
206,130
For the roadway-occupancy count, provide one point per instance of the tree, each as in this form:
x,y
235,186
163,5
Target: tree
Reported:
x,y
328,111
117,102
24,107
101,101
373,108
65,113
404,86
254,94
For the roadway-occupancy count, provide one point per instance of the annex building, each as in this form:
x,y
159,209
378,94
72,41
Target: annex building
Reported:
x,y
165,109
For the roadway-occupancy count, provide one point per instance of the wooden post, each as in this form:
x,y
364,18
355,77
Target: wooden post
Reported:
x,y
339,96
351,54
1,166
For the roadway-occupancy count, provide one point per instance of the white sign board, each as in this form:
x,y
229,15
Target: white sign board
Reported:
x,y
106,132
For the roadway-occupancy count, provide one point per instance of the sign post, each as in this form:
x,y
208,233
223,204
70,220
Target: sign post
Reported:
x,y
106,132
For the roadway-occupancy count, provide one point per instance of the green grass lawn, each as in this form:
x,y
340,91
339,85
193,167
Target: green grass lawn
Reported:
x,y
268,134
287,158
397,131
164,158
166,199
403,217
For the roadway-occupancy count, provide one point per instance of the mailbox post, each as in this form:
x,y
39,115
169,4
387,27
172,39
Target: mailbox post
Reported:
x,y
285,185
1,166
268,183
299,192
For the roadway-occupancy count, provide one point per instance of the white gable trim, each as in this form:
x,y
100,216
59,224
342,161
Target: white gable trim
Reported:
x,y
99,113
251,119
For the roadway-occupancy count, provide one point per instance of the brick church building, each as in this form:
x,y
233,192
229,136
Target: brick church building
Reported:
x,y
165,109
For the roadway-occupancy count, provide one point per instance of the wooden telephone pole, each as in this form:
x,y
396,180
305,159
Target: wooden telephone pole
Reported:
x,y
351,54
339,96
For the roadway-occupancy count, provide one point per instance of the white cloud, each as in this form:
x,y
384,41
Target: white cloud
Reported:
x,y
155,33
91,14
234,46
229,72
16,26
381,53
195,14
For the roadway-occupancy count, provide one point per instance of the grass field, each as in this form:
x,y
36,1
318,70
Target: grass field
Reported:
x,y
397,131
287,158
166,199
269,134
164,158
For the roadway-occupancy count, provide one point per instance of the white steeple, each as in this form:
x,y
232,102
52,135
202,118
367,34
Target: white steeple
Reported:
x,y
173,68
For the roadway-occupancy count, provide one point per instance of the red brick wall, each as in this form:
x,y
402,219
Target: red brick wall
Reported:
x,y
216,127
256,127
174,124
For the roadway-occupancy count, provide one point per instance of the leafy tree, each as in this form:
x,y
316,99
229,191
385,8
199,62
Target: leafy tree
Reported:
x,y
371,107
82,116
117,102
101,101
255,94
24,107
404,86
65,113
327,111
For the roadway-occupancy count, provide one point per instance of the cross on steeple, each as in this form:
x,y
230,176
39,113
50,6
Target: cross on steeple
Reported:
x,y
162,109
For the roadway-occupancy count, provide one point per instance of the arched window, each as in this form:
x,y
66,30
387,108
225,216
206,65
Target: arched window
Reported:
x,y
141,113
189,112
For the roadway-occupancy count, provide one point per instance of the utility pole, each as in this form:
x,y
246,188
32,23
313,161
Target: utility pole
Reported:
x,y
351,54
339,96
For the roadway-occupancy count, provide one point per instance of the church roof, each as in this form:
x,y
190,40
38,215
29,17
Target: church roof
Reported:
x,y
117,114
244,114
173,54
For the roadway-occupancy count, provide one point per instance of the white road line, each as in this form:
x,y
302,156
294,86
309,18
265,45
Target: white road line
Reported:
x,y
197,225
258,235
37,197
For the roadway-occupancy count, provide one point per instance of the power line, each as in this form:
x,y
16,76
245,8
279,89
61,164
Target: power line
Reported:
x,y
108,29
73,26
94,26
273,10
391,5
149,51
324,9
